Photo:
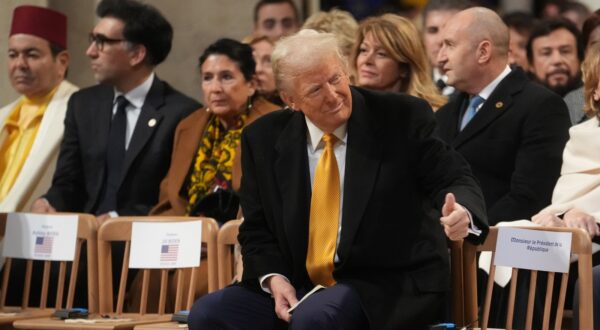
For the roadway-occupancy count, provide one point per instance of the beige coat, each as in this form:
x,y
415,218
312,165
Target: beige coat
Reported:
x,y
36,175
579,182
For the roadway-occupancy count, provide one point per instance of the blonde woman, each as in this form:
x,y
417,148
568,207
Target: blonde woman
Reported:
x,y
389,56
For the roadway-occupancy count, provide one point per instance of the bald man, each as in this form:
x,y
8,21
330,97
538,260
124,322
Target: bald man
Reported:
x,y
510,130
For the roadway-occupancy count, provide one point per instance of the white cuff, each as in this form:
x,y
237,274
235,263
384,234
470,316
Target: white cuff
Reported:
x,y
263,278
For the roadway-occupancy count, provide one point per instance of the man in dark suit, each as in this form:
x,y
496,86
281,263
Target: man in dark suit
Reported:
x,y
515,136
367,234
511,131
119,134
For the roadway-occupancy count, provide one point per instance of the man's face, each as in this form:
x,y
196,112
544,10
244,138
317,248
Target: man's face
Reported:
x,y
432,36
457,57
518,49
32,69
276,20
555,62
111,64
322,93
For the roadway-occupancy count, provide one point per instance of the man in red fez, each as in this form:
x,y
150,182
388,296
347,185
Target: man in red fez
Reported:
x,y
31,127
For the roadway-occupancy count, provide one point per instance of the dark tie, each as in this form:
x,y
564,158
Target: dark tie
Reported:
x,y
440,84
115,154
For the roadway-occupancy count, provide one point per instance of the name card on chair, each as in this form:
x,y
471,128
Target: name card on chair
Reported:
x,y
533,249
165,244
40,236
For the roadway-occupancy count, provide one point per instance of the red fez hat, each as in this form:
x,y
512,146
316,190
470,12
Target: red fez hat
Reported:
x,y
40,22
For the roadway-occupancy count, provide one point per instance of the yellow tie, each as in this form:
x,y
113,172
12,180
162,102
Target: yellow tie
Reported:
x,y
324,217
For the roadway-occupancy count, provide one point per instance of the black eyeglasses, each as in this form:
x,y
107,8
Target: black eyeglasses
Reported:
x,y
101,40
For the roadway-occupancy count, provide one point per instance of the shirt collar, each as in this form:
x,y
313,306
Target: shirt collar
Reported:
x,y
487,90
315,134
137,96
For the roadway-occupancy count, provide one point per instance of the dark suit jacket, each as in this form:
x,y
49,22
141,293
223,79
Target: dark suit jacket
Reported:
x,y
80,170
396,171
185,148
514,145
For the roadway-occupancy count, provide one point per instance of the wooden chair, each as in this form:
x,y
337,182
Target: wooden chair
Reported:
x,y
226,241
581,246
119,229
86,233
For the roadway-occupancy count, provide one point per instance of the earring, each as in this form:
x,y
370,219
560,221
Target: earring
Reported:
x,y
249,103
208,110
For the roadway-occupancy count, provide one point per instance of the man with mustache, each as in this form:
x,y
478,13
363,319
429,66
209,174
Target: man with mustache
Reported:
x,y
32,126
555,51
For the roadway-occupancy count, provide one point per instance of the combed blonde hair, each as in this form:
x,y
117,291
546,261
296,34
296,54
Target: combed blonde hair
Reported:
x,y
300,52
591,75
339,22
402,41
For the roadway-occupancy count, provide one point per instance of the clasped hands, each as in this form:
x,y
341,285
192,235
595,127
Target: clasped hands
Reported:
x,y
574,218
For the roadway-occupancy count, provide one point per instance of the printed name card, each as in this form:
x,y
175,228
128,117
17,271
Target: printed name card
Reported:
x,y
165,244
533,249
40,236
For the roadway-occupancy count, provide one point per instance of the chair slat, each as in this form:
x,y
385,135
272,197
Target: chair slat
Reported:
x,y
74,272
45,284
511,298
5,277
488,294
548,301
27,286
192,291
123,279
145,285
561,301
179,290
162,299
531,299
60,286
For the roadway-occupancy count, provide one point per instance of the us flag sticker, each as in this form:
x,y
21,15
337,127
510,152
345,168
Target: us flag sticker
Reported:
x,y
43,244
168,252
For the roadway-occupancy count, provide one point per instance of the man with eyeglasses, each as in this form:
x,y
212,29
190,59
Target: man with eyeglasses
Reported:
x,y
119,133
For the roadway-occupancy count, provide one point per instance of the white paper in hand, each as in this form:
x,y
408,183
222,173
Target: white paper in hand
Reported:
x,y
310,293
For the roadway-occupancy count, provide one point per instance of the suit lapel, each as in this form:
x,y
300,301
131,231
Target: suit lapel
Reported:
x,y
292,175
146,125
363,156
495,106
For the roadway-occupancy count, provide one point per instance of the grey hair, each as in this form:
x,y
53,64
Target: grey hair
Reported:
x,y
487,24
300,52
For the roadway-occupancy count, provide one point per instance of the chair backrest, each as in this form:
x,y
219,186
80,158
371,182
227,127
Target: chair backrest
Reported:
x,y
86,233
119,229
580,246
227,240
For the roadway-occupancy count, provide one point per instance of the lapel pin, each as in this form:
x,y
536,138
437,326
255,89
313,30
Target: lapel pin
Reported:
x,y
499,105
152,122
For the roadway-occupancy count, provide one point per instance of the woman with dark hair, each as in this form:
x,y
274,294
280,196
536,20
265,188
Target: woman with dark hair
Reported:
x,y
205,164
